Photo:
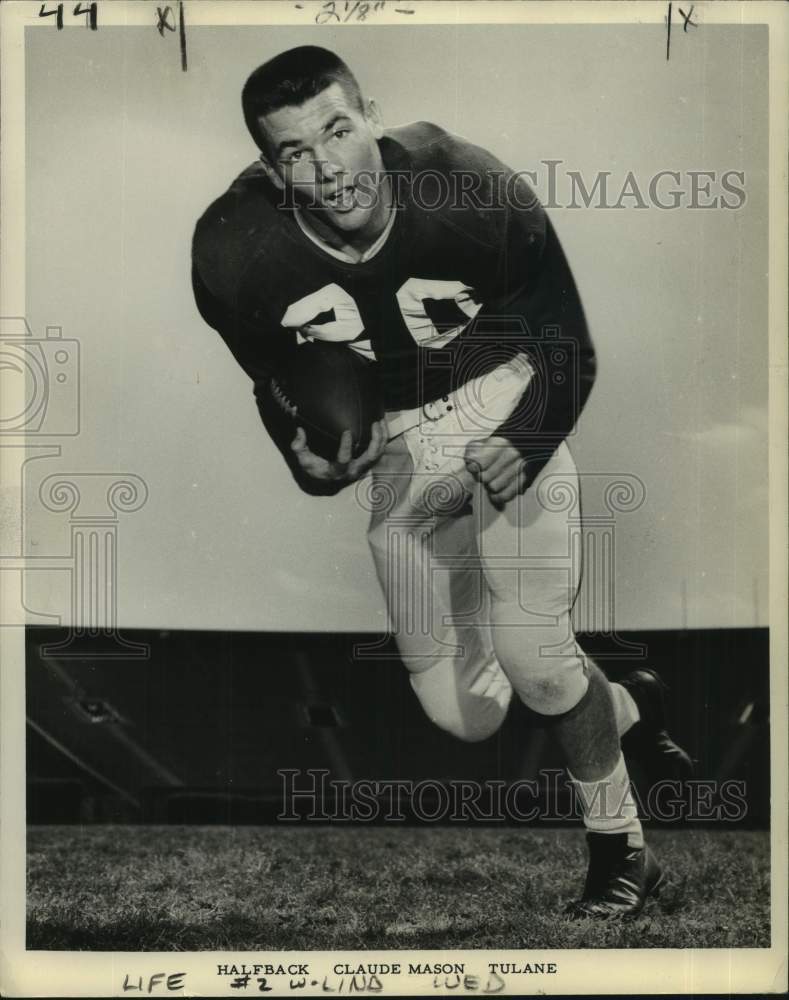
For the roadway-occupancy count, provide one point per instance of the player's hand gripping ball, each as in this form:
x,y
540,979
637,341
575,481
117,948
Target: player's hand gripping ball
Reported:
x,y
332,396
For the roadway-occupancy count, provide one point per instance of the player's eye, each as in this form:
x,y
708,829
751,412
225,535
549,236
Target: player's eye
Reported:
x,y
340,133
295,156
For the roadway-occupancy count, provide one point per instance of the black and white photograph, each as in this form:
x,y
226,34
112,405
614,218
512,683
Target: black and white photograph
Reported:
x,y
393,531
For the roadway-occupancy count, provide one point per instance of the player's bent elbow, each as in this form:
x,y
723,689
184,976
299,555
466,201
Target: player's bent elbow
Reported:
x,y
587,365
587,376
591,364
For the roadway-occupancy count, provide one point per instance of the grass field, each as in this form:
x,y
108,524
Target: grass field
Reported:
x,y
279,888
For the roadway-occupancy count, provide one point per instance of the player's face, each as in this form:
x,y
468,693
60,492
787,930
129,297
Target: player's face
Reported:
x,y
326,151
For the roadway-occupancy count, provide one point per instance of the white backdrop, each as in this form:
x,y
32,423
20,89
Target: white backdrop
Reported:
x,y
124,151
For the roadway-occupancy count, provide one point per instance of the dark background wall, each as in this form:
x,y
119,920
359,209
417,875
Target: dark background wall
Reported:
x,y
199,730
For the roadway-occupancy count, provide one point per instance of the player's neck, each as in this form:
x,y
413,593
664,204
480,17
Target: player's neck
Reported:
x,y
355,244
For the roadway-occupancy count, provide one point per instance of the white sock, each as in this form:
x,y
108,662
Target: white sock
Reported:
x,y
625,708
608,805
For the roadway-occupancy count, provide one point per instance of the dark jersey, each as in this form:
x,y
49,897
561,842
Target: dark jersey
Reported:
x,y
470,273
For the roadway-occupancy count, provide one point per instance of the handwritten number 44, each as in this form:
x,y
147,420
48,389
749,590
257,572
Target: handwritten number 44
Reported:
x,y
91,12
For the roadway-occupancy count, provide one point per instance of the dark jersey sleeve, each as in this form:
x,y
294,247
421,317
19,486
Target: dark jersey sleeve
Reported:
x,y
543,305
237,333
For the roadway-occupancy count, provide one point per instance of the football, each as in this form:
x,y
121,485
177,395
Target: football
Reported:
x,y
327,388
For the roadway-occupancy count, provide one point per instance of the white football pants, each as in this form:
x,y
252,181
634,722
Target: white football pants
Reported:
x,y
479,600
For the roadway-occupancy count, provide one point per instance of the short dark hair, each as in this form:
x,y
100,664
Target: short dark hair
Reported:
x,y
293,77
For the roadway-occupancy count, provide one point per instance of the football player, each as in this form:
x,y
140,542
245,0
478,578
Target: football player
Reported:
x,y
425,253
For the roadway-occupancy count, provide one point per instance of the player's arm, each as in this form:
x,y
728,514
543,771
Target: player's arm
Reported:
x,y
237,332
543,294
550,305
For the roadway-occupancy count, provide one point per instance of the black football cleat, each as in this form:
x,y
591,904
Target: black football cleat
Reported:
x,y
619,881
648,741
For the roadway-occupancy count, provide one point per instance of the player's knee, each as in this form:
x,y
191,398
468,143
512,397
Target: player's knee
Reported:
x,y
544,665
553,688
465,715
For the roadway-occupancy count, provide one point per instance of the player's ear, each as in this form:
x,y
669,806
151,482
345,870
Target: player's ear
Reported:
x,y
373,115
271,173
